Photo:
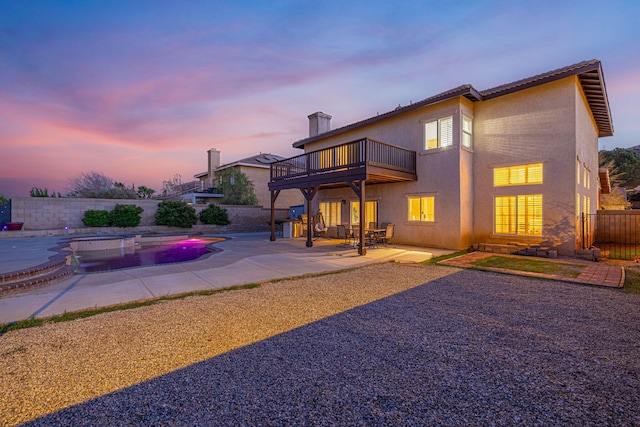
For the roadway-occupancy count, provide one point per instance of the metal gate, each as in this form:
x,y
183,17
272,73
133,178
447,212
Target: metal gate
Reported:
x,y
616,233
5,213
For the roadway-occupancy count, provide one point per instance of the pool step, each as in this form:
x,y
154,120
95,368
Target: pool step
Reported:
x,y
44,274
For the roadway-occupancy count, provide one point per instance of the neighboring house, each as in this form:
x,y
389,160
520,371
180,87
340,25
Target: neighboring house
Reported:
x,y
256,168
517,163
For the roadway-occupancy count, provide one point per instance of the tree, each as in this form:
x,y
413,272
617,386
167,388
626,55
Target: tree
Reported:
x,y
120,191
39,192
623,164
145,192
90,185
236,187
94,185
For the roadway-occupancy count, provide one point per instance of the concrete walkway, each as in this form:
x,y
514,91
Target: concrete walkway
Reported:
x,y
244,258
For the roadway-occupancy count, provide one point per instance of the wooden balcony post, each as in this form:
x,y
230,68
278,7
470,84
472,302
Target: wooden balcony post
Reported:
x,y
309,220
274,196
362,247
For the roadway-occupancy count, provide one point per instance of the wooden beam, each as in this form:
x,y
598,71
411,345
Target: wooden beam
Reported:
x,y
274,196
362,247
309,193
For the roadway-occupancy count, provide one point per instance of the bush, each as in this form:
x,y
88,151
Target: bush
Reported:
x,y
93,218
125,216
213,214
176,214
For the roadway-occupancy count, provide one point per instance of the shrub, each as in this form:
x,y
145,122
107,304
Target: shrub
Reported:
x,y
213,214
125,216
176,214
93,218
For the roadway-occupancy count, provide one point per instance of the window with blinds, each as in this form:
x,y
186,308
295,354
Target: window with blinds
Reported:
x,y
518,215
518,175
438,133
467,132
422,209
332,213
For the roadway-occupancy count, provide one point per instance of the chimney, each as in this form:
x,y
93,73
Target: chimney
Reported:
x,y
319,123
214,163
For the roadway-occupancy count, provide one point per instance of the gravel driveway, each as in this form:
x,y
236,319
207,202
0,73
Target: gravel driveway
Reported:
x,y
387,344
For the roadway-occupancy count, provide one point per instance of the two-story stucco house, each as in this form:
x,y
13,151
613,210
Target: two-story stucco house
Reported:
x,y
515,163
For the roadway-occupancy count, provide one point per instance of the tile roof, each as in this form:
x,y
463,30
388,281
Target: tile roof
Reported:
x,y
589,73
259,160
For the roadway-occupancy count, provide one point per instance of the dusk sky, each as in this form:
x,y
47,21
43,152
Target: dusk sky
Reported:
x,y
140,90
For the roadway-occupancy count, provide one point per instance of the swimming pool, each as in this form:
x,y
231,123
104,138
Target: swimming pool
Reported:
x,y
148,252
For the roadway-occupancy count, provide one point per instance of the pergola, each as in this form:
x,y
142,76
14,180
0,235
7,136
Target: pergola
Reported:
x,y
354,164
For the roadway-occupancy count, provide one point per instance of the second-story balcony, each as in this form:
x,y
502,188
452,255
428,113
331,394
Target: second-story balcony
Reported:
x,y
361,160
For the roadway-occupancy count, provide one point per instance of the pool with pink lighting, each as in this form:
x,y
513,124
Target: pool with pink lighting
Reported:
x,y
96,255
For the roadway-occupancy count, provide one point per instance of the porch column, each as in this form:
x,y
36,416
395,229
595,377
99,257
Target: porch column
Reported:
x,y
362,247
309,193
274,196
309,220
359,190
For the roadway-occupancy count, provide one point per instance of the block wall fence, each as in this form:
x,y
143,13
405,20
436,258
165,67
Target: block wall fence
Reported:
x,y
60,216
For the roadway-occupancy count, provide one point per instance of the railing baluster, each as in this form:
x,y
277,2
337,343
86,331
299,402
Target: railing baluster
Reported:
x,y
353,154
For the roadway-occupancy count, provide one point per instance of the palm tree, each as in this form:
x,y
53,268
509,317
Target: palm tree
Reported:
x,y
145,192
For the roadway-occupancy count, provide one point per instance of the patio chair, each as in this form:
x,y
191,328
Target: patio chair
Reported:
x,y
388,234
344,233
368,238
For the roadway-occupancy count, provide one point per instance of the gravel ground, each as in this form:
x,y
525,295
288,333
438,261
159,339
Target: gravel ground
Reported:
x,y
389,344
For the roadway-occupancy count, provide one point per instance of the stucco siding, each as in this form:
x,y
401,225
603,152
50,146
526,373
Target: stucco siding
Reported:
x,y
533,125
550,123
438,173
587,154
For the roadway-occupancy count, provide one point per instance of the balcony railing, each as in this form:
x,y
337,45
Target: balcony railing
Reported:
x,y
355,158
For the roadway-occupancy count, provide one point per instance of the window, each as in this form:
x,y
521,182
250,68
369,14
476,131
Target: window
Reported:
x,y
467,132
578,217
577,205
332,213
438,133
371,211
578,172
586,205
518,175
422,209
520,215
587,177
